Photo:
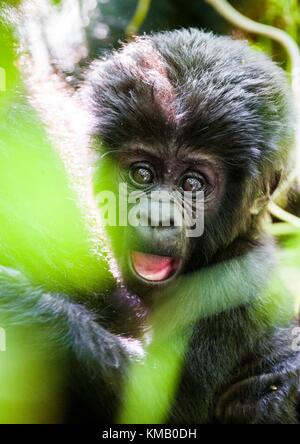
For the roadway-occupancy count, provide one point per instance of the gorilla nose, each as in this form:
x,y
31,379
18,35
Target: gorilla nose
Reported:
x,y
158,223
161,216
160,233
160,228
163,241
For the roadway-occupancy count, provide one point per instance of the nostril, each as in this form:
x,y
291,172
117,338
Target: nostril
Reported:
x,y
172,222
150,221
155,220
166,223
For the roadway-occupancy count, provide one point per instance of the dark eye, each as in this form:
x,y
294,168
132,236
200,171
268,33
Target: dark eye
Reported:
x,y
193,184
141,175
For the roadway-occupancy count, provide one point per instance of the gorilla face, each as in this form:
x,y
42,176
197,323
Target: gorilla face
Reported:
x,y
165,192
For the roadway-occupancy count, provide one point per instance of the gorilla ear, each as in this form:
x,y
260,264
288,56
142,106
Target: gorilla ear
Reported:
x,y
275,181
259,204
269,187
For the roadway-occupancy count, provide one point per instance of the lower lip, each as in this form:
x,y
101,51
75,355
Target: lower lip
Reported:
x,y
153,268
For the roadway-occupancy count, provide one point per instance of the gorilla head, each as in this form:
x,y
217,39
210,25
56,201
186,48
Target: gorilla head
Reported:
x,y
181,113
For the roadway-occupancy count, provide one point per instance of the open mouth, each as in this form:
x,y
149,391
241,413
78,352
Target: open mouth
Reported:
x,y
154,268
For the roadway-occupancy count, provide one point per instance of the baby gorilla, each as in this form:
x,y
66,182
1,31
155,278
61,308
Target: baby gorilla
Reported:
x,y
184,114
187,112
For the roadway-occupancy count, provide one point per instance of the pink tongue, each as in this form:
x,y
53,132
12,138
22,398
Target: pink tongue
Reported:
x,y
151,267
